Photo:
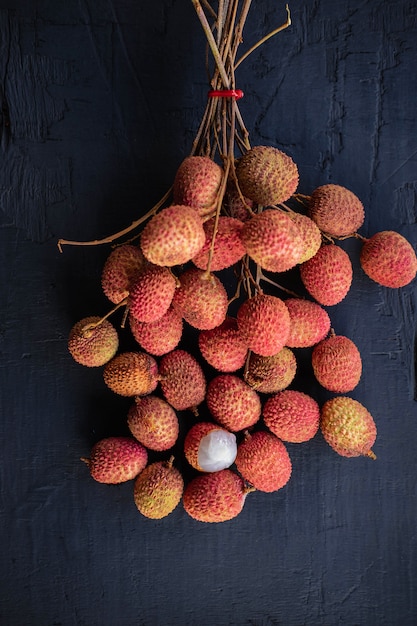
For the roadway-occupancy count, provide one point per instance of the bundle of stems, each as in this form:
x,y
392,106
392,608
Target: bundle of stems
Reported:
x,y
222,132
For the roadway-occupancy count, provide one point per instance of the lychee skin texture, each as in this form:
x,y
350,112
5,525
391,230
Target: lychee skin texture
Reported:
x,y
131,374
228,245
292,416
348,427
151,293
310,234
119,270
159,337
194,438
92,345
158,490
389,259
215,497
232,403
336,210
115,460
327,276
223,347
173,236
263,461
182,380
310,323
273,240
153,422
197,182
269,374
267,175
337,364
264,323
201,299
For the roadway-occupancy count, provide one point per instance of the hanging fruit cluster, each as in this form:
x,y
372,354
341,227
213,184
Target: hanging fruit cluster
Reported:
x,y
233,211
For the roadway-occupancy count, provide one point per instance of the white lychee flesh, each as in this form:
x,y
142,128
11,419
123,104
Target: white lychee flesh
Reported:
x,y
217,451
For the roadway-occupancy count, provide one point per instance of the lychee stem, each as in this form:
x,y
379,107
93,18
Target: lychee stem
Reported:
x,y
93,325
371,455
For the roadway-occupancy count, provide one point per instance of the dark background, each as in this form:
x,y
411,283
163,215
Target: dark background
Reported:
x,y
104,100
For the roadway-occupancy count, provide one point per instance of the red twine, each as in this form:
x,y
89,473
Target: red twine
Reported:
x,y
226,93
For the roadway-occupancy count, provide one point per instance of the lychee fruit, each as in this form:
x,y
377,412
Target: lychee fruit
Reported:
x,y
292,416
264,323
267,175
348,427
158,489
389,259
120,268
273,240
310,323
173,236
197,183
228,246
269,374
336,210
327,276
131,374
263,460
201,299
182,380
215,497
158,337
92,341
310,234
151,293
232,403
115,460
209,448
223,347
153,422
337,364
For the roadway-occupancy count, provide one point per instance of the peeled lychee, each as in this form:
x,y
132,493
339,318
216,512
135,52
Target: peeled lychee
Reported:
x,y
151,293
310,323
263,461
327,276
389,259
336,210
197,183
232,403
182,380
228,246
269,374
209,448
116,460
292,416
201,299
215,497
120,268
131,374
264,323
267,175
223,347
153,422
92,342
158,337
348,427
158,489
337,364
173,236
273,240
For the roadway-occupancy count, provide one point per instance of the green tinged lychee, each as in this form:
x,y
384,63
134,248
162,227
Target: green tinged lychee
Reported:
x,y
348,427
153,422
269,374
336,210
158,489
93,342
131,374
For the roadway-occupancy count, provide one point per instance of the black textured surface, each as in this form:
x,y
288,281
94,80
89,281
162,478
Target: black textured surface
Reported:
x,y
100,103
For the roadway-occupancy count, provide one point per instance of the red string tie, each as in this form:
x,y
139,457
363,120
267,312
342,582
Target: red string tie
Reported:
x,y
226,93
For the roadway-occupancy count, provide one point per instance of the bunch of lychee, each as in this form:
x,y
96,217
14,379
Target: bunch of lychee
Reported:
x,y
212,371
